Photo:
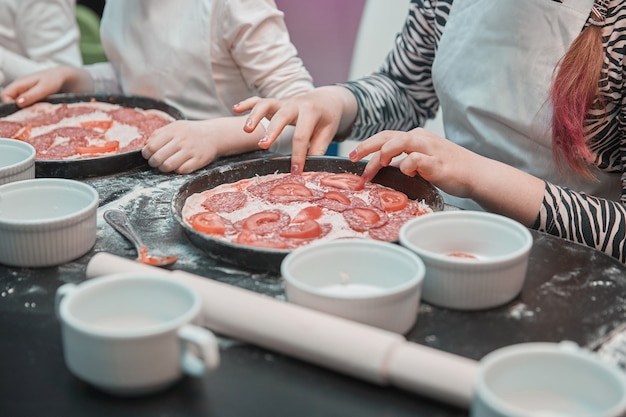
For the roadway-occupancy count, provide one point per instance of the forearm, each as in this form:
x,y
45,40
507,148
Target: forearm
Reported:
x,y
505,190
233,138
584,219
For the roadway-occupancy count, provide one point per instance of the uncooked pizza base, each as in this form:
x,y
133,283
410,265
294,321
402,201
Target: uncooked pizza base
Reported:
x,y
336,221
82,130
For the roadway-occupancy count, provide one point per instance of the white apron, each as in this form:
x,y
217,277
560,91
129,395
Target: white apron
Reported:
x,y
492,74
171,64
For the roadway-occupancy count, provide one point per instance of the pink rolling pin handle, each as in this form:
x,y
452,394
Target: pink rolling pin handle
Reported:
x,y
433,373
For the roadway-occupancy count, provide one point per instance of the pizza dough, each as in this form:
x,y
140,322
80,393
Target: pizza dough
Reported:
x,y
285,211
83,129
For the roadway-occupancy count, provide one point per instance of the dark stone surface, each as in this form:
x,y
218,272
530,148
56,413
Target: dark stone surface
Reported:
x,y
572,292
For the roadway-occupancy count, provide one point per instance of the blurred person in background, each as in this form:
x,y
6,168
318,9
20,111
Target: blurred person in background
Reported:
x,y
35,35
200,56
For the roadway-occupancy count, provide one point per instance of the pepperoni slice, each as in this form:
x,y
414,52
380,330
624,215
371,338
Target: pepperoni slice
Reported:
x,y
8,129
362,219
261,188
264,222
335,200
249,238
64,111
289,192
225,202
134,145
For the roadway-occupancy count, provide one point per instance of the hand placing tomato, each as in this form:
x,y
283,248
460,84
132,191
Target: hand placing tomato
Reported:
x,y
343,181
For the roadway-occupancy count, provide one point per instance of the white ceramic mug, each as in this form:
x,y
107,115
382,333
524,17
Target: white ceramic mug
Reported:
x,y
132,334
17,160
548,380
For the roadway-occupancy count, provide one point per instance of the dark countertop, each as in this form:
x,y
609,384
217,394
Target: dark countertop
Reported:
x,y
571,292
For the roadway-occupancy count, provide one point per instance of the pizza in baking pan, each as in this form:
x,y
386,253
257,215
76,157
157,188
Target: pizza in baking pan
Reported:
x,y
67,131
285,211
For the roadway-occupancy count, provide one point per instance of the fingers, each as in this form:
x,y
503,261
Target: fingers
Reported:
x,y
302,134
22,92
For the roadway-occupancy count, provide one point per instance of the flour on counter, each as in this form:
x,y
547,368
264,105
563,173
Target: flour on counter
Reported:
x,y
520,311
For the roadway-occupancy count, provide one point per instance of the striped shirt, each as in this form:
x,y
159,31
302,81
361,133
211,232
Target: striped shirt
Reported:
x,y
401,96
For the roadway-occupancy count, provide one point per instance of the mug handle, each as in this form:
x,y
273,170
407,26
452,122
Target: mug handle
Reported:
x,y
207,355
62,291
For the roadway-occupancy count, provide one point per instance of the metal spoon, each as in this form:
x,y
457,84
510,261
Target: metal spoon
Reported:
x,y
119,221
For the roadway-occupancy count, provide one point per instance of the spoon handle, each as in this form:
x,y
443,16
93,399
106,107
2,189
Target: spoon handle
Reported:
x,y
119,221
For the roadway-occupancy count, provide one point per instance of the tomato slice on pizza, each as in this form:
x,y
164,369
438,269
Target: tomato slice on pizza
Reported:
x,y
110,146
210,223
308,213
307,229
343,181
392,200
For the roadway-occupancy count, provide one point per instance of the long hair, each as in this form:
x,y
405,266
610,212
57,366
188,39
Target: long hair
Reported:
x,y
575,88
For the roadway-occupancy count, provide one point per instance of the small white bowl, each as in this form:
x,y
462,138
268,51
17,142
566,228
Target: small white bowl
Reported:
x,y
550,380
474,260
46,221
17,160
372,282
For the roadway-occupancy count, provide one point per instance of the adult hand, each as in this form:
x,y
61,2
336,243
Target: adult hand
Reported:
x,y
318,116
33,87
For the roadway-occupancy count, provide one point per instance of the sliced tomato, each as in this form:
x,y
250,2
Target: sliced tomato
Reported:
x,y
393,200
308,229
338,197
368,216
97,124
251,239
207,222
308,213
261,219
343,181
291,189
24,133
110,146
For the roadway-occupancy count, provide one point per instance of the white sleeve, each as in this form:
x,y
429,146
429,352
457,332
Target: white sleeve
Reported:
x,y
260,44
47,34
104,78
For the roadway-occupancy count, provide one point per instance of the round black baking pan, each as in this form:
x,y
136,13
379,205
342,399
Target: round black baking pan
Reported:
x,y
269,260
100,165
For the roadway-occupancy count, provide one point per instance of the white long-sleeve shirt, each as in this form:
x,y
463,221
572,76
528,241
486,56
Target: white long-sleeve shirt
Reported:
x,y
37,34
201,56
